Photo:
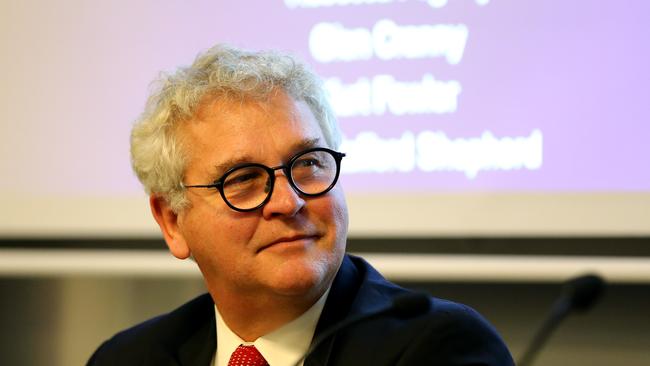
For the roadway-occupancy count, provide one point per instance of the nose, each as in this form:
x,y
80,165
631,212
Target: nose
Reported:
x,y
284,200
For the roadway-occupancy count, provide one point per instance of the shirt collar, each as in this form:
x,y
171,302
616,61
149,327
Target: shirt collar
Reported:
x,y
282,347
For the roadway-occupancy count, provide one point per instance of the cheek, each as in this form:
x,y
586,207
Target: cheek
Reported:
x,y
340,202
211,230
338,210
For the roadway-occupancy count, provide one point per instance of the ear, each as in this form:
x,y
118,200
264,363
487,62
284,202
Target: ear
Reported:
x,y
167,219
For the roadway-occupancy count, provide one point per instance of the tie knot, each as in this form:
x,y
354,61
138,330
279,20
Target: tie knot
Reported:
x,y
247,356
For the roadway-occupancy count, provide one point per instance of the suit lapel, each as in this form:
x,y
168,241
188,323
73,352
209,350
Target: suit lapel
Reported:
x,y
192,336
199,348
352,294
338,306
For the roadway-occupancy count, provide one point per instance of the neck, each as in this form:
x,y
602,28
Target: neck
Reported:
x,y
251,317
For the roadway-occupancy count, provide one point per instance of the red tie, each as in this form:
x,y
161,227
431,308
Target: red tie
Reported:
x,y
247,356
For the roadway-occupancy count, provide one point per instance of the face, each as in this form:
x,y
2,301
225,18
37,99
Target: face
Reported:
x,y
291,246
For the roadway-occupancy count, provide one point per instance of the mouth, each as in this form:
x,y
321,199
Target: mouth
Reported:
x,y
290,241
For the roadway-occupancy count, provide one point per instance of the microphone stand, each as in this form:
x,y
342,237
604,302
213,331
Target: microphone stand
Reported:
x,y
580,294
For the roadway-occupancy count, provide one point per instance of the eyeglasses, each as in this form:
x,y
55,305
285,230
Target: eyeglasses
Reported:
x,y
249,186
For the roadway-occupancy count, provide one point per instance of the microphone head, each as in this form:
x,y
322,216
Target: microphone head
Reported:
x,y
584,291
411,304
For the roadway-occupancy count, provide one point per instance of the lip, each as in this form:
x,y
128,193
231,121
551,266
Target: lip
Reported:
x,y
288,240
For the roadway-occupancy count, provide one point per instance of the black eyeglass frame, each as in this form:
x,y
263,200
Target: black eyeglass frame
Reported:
x,y
286,169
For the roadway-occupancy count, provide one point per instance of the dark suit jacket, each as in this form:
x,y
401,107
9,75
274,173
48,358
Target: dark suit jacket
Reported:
x,y
448,334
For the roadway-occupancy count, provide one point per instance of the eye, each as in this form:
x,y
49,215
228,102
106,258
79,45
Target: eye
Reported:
x,y
308,161
244,176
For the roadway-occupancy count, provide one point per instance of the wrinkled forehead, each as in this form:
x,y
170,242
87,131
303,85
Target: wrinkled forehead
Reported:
x,y
228,101
271,107
251,129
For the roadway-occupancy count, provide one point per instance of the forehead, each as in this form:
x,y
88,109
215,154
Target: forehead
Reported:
x,y
228,130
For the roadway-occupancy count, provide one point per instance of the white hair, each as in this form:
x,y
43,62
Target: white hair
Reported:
x,y
157,155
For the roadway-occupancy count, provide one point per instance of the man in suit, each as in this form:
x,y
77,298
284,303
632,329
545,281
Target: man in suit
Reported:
x,y
238,155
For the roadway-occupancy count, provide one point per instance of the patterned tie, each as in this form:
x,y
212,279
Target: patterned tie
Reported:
x,y
247,356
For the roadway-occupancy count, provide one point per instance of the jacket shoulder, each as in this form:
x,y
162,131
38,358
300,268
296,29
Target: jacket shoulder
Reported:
x,y
457,335
133,346
444,333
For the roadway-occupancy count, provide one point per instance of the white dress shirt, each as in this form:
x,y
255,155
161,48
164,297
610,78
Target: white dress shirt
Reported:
x,y
282,347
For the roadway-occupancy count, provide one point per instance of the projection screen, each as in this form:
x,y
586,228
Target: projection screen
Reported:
x,y
460,117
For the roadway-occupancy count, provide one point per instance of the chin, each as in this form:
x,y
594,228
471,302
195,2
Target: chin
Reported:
x,y
307,279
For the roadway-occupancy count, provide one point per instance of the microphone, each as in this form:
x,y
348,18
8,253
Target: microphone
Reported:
x,y
579,294
403,306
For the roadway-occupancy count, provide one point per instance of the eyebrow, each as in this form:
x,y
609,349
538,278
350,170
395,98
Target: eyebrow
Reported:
x,y
243,159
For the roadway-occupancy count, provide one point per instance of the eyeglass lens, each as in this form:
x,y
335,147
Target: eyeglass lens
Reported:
x,y
311,173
